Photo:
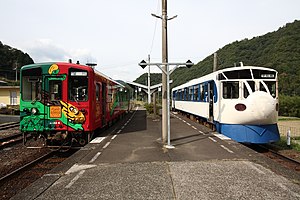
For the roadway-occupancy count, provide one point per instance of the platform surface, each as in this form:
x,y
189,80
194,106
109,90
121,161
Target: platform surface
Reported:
x,y
129,161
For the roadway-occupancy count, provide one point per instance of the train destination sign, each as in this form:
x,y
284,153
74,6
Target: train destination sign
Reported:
x,y
78,73
267,75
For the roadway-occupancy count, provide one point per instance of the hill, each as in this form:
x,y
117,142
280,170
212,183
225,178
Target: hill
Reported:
x,y
279,50
155,78
9,59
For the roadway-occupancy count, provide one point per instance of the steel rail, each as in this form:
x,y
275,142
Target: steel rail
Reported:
x,y
10,140
280,155
10,137
9,125
26,166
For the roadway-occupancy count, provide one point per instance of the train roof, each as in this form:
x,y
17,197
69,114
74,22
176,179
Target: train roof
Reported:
x,y
107,77
244,67
212,75
73,64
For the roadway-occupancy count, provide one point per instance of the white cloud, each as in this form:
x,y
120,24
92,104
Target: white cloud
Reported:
x,y
44,50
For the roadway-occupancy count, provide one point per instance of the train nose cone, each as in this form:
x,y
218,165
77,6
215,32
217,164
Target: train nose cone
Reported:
x,y
263,107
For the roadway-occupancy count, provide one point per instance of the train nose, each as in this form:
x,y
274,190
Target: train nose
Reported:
x,y
263,107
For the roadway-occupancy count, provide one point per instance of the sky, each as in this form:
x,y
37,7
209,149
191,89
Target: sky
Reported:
x,y
118,34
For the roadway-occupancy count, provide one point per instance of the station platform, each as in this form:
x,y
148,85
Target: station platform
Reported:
x,y
129,161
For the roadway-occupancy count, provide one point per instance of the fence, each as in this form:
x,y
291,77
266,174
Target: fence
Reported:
x,y
294,132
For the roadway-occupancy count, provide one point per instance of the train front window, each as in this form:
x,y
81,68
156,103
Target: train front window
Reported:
x,y
78,85
271,85
248,91
238,74
55,90
32,84
231,90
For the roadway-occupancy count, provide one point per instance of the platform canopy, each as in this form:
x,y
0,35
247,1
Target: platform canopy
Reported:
x,y
144,88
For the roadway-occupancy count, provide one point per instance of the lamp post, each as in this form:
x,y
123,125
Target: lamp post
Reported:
x,y
167,72
16,71
149,94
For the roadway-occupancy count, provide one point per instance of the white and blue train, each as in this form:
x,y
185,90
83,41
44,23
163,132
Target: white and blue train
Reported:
x,y
241,102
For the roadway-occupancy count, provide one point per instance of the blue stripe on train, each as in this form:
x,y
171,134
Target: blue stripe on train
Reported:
x,y
258,134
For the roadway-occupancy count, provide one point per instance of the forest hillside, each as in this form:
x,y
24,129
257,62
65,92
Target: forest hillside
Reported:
x,y
279,50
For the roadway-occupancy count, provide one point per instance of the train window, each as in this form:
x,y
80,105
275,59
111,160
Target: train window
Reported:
x,y
202,92
262,87
97,88
178,96
55,90
238,74
110,92
205,92
272,87
196,93
231,90
78,85
221,77
174,94
186,94
191,93
31,86
252,86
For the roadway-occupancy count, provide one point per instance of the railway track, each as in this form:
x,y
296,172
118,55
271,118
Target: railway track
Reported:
x,y
9,125
25,167
20,178
275,155
10,140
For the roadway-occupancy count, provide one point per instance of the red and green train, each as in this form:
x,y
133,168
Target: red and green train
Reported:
x,y
62,104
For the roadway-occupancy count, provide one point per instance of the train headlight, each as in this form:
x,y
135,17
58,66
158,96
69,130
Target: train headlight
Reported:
x,y
26,110
34,111
240,107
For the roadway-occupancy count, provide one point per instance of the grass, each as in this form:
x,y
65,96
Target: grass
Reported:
x,y
282,144
288,118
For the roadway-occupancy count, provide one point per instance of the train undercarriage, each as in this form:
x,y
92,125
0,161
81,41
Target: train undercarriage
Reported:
x,y
57,140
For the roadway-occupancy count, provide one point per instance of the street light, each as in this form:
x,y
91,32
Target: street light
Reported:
x,y
187,64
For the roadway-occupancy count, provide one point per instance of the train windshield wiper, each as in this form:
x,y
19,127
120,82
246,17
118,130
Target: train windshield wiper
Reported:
x,y
38,98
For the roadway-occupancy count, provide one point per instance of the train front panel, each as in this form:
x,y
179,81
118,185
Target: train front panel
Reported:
x,y
54,102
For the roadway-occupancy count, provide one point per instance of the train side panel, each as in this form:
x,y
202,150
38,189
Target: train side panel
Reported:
x,y
195,108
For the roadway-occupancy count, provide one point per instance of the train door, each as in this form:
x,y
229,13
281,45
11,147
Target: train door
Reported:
x,y
104,104
98,105
211,101
174,100
53,94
